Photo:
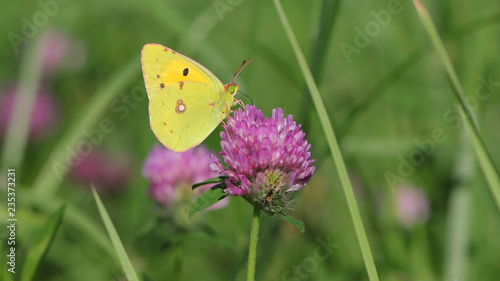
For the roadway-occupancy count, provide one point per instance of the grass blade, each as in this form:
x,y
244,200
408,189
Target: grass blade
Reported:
x,y
74,217
41,244
115,240
27,89
329,11
334,147
482,154
457,234
54,169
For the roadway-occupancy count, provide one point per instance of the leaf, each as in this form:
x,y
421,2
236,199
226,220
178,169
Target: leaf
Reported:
x,y
210,181
295,222
207,199
115,240
41,244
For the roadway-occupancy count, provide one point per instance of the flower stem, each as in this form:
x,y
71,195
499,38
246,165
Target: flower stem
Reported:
x,y
49,179
18,127
252,251
179,251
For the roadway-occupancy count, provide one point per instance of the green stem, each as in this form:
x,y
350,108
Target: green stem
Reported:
x,y
484,158
333,145
457,242
329,11
27,89
179,252
63,156
252,250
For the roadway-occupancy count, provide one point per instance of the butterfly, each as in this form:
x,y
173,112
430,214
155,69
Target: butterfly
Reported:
x,y
186,101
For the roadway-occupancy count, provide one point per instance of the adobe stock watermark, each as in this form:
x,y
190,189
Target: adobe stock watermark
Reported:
x,y
121,106
363,37
32,24
426,147
309,264
223,6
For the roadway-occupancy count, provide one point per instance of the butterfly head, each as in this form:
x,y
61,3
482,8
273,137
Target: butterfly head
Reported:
x,y
232,88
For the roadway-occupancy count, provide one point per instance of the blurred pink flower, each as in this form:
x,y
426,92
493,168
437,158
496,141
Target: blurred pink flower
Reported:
x,y
109,172
58,50
44,117
172,174
412,205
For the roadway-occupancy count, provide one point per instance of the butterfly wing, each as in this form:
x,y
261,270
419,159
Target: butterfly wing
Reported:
x,y
182,115
162,67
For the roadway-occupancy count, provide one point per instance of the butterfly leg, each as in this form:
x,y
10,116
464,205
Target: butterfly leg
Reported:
x,y
239,102
228,110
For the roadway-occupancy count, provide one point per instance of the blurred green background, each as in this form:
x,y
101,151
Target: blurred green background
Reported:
x,y
386,94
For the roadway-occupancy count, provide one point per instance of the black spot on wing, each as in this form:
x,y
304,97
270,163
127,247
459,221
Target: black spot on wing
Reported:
x,y
185,71
162,85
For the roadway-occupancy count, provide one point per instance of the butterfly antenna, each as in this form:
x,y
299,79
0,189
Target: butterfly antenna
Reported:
x,y
246,96
242,66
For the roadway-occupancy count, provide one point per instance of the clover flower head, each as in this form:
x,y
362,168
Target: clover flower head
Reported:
x,y
44,115
110,172
172,174
57,50
267,158
412,205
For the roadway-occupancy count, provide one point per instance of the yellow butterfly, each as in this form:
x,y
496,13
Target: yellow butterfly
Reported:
x,y
186,101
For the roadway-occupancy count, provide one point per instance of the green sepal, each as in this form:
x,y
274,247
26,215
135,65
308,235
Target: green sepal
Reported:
x,y
295,222
207,199
219,179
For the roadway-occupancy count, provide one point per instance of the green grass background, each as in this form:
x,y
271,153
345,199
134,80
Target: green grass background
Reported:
x,y
379,103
